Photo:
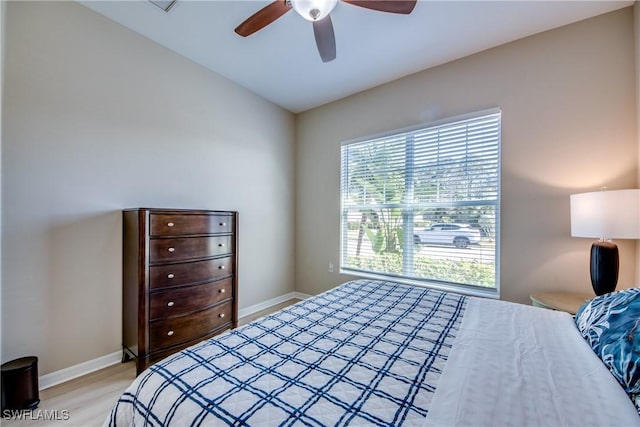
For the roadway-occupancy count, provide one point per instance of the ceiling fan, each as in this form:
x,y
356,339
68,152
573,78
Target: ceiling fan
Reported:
x,y
317,11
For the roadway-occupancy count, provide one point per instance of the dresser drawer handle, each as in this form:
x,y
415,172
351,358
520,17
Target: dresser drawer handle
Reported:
x,y
170,276
171,249
221,315
222,291
170,304
170,224
223,224
221,245
221,267
170,333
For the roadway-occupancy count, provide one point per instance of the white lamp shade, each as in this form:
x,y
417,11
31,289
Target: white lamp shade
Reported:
x,y
313,10
606,214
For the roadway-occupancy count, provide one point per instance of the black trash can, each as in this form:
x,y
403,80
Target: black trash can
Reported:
x,y
20,384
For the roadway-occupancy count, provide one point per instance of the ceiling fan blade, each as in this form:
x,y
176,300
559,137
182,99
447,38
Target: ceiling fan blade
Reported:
x,y
392,6
325,39
263,17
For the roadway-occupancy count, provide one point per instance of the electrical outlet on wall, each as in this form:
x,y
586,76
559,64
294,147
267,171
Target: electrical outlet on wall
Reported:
x,y
330,267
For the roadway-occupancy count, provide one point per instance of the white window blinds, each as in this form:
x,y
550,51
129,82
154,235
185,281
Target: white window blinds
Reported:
x,y
424,204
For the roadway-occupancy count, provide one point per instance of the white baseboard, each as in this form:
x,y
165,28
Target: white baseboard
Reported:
x,y
248,311
75,371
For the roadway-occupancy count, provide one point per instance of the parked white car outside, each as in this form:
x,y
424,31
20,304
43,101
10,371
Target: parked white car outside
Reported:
x,y
459,235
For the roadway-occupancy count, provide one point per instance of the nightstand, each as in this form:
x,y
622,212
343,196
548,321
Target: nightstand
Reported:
x,y
562,301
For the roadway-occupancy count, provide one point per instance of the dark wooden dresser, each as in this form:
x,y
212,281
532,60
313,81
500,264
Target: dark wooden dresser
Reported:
x,y
179,280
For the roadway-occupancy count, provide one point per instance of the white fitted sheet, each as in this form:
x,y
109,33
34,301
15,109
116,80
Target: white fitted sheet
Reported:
x,y
516,365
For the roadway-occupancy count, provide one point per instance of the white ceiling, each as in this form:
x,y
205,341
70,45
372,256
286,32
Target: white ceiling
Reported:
x,y
281,62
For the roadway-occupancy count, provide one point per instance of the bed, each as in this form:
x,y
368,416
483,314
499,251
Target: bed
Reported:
x,y
375,353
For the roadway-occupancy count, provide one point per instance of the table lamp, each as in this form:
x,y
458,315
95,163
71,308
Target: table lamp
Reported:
x,y
605,215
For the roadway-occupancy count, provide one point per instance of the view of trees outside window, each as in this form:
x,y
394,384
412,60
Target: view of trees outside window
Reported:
x,y
424,204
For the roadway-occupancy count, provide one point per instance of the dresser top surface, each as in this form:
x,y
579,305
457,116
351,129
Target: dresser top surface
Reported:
x,y
180,211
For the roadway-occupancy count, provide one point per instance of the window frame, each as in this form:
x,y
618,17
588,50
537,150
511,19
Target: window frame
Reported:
x,y
473,290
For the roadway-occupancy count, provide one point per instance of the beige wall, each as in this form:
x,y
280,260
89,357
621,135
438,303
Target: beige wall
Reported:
x,y
97,119
3,7
636,22
568,125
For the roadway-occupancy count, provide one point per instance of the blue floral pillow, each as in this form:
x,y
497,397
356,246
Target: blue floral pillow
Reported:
x,y
611,325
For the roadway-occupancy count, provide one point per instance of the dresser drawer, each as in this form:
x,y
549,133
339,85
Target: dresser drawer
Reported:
x,y
184,300
164,333
163,250
161,276
183,224
160,354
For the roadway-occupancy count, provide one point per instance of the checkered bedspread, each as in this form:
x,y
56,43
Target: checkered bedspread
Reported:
x,y
365,353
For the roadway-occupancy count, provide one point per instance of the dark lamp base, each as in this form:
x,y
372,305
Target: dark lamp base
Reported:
x,y
604,267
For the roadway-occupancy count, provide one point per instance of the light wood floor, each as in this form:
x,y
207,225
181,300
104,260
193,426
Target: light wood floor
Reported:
x,y
87,400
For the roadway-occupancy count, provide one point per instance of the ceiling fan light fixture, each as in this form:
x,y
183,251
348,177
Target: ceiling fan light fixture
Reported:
x,y
313,10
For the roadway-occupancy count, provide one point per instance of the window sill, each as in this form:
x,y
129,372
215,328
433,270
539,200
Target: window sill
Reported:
x,y
470,291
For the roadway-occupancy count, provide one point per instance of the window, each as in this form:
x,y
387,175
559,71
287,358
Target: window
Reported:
x,y
423,204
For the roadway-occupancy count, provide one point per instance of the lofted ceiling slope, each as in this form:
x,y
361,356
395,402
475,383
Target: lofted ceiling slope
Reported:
x,y
281,62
